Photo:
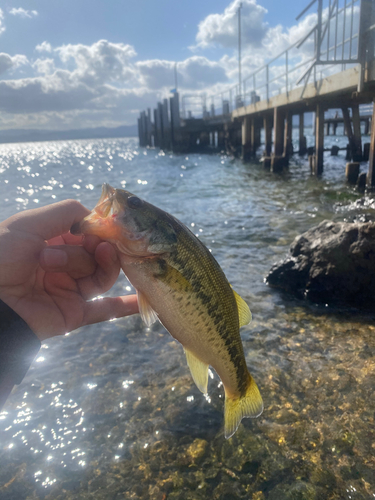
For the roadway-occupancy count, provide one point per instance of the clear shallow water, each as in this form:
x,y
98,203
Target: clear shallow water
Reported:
x,y
111,412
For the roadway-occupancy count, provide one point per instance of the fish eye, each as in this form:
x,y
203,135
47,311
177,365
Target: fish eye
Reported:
x,y
134,202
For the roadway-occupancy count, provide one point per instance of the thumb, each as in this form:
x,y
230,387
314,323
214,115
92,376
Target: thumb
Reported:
x,y
50,221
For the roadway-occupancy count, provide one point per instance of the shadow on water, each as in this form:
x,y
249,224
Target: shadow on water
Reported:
x,y
111,412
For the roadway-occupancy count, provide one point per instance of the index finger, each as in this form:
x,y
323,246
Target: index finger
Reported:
x,y
50,221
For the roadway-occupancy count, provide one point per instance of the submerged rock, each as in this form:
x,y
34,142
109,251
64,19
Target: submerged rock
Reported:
x,y
332,263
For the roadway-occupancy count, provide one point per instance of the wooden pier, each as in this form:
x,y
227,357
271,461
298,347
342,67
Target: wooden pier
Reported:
x,y
235,124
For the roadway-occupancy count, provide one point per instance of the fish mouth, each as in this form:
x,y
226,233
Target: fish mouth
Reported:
x,y
107,209
106,220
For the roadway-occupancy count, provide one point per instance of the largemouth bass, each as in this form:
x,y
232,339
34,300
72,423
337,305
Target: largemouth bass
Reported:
x,y
179,283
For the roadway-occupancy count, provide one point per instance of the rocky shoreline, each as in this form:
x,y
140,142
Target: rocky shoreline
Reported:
x,y
332,263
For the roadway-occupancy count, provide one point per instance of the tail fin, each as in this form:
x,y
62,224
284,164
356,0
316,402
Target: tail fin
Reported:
x,y
249,405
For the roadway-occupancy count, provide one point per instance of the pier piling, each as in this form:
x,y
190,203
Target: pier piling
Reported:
x,y
302,139
277,160
319,140
288,145
371,168
357,152
246,149
267,124
352,172
255,135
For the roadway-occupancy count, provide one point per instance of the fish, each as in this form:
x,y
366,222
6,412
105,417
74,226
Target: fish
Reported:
x,y
179,283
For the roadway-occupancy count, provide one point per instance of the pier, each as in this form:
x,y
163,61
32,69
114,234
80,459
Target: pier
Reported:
x,y
335,84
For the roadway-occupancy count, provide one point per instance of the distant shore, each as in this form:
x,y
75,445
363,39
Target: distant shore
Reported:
x,y
24,135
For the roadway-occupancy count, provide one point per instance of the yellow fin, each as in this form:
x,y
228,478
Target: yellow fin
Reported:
x,y
249,405
199,371
243,310
148,315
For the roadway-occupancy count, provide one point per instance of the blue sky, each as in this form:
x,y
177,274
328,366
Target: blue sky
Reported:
x,y
81,63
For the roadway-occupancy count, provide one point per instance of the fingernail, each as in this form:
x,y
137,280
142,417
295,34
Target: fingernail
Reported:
x,y
54,258
76,228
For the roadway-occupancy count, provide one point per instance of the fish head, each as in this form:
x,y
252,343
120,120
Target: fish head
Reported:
x,y
135,226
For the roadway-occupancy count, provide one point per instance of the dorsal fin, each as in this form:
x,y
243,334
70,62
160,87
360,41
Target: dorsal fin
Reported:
x,y
244,313
199,371
148,315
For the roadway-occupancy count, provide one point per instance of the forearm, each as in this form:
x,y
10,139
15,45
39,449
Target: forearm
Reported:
x,y
18,347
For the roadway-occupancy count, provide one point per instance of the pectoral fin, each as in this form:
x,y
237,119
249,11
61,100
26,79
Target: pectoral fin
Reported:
x,y
243,310
148,315
199,371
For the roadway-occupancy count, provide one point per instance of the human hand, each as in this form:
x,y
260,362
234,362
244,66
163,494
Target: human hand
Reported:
x,y
48,276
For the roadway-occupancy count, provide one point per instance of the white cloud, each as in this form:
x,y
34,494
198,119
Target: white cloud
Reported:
x,y
222,29
2,27
44,47
44,66
5,62
8,62
36,95
23,12
99,62
194,73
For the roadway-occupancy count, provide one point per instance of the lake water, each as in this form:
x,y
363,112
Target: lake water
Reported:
x,y
111,412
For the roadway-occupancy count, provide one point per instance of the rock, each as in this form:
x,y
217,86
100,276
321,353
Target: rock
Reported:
x,y
298,490
332,263
197,449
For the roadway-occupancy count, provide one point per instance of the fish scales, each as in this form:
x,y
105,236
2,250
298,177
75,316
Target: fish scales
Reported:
x,y
179,282
210,286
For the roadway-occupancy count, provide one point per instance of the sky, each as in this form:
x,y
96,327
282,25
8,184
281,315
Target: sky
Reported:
x,y
87,63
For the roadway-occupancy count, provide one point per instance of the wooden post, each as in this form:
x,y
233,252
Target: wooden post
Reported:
x,y
371,167
367,126
361,182
166,125
319,139
352,172
365,41
357,154
278,131
267,123
255,135
366,151
156,137
288,145
246,138
204,139
149,128
277,160
348,129
174,106
159,126
143,130
302,138
221,139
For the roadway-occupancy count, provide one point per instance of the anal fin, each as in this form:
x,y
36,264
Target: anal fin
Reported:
x,y
199,371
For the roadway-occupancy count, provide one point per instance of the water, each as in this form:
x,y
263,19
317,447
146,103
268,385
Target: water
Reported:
x,y
111,411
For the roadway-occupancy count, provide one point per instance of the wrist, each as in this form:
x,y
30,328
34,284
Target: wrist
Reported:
x,y
18,345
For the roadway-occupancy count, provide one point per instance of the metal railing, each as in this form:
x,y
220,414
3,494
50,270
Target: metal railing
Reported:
x,y
335,42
